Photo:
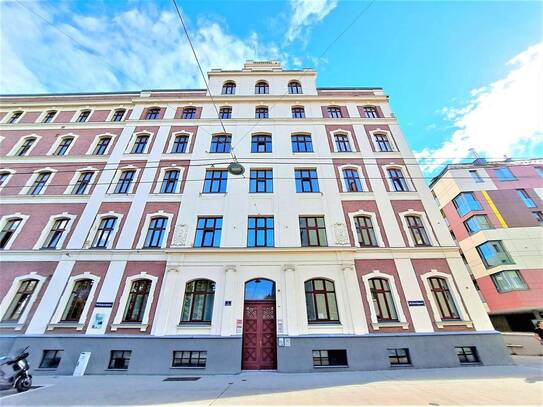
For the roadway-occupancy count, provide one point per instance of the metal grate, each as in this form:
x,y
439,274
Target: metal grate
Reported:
x,y
181,379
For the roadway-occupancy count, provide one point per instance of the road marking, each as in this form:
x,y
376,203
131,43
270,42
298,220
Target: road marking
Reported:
x,y
33,388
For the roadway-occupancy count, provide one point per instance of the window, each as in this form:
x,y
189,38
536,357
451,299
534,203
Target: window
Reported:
x,y
189,358
189,113
229,88
371,112
306,180
352,180
155,233
337,357
55,234
198,301
466,202
398,356
83,116
215,181
467,354
260,231
538,215
208,232
418,233
180,144
399,184
504,174
220,144
383,143
48,118
25,147
118,115
3,177
294,88
39,183
137,300
261,144
383,302
102,145
63,146
539,171
8,231
169,183
225,113
78,299
261,181
153,113
14,117
493,254
20,300
334,112
140,144
342,143
50,358
528,202
301,144
312,231
119,359
104,232
509,280
477,223
298,112
475,176
261,112
125,181
320,298
365,231
443,298
262,88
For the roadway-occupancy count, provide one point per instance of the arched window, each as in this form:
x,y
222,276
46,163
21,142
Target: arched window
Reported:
x,y
118,115
225,112
397,180
20,300
261,143
334,112
198,301
444,300
371,112
104,232
261,112
156,232
102,145
55,234
365,231
49,116
170,181
83,116
383,143
298,112
294,87
180,144
78,299
153,113
352,180
383,302
8,231
320,297
259,289
82,183
140,144
189,113
15,117
26,146
39,183
418,233
63,146
229,88
137,300
342,143
262,88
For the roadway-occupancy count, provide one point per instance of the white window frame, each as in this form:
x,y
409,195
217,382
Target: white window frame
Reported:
x,y
425,223
78,113
8,298
96,224
112,112
10,114
117,320
42,116
76,176
11,173
349,135
405,173
402,320
172,139
93,145
59,140
114,182
391,140
35,174
358,169
145,228
47,229
133,141
6,218
376,227
160,179
19,144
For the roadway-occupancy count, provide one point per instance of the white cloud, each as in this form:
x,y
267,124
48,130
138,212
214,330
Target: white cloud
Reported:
x,y
141,48
305,13
503,118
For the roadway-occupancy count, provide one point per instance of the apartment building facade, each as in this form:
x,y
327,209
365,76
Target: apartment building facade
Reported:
x,y
125,235
495,212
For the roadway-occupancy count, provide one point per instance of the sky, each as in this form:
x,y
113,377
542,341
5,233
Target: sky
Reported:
x,y
460,75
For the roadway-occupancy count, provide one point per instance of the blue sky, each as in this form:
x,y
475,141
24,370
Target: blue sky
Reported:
x,y
459,74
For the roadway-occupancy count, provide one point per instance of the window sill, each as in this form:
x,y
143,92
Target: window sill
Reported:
x,y
399,366
379,325
324,324
331,367
188,367
61,324
442,324
11,325
46,369
194,325
116,370
128,325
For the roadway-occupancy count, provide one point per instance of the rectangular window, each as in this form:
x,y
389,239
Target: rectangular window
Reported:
x,y
352,180
261,113
312,231
261,181
342,143
25,147
365,232
83,116
493,254
14,117
118,115
509,280
39,183
63,146
475,176
125,181
302,144
180,144
156,232
539,171
55,234
504,174
399,356
466,202
50,358
189,113
119,359
104,232
49,117
225,113
298,113
140,144
220,144
8,231
335,357
215,181
80,187
260,231
334,112
261,144
102,145
528,202
383,143
153,113
189,358
467,354
418,233
399,184
477,223
169,183
208,232
306,180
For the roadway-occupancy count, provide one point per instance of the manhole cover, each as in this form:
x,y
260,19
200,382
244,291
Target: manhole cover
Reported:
x,y
181,379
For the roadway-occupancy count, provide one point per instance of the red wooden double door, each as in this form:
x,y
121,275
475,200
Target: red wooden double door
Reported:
x,y
259,336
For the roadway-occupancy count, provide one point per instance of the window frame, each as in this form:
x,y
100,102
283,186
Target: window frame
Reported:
x,y
297,112
20,290
228,88
452,312
157,233
306,180
193,291
220,144
383,297
320,231
169,184
225,112
256,181
56,233
397,183
262,88
126,360
199,361
152,113
476,217
395,359
294,88
107,228
261,140
297,142
215,181
324,293
57,358
334,112
463,356
254,230
262,112
317,355
353,176
507,257
137,299
500,287
215,231
189,113
370,231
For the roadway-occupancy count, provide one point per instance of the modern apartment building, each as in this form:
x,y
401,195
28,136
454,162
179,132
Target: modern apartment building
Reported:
x,y
124,234
495,212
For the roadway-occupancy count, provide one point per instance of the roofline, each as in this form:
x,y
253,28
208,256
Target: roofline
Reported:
x,y
352,88
128,92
